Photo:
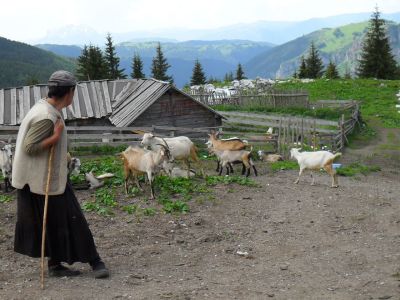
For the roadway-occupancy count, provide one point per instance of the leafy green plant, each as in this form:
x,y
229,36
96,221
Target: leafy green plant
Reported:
x,y
149,211
176,206
6,198
130,209
106,197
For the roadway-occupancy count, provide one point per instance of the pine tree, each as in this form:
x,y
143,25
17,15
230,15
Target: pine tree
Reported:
x,y
376,60
228,77
239,73
112,61
137,67
331,71
160,66
91,64
198,76
82,71
303,68
314,63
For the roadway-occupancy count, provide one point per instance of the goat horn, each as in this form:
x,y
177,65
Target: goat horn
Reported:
x,y
163,146
165,143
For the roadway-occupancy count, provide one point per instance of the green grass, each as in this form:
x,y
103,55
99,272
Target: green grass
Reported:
x,y
377,97
284,165
356,168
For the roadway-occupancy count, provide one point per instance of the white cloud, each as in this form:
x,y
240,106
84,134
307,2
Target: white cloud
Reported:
x,y
27,20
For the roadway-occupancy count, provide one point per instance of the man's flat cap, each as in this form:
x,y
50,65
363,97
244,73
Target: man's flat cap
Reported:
x,y
62,78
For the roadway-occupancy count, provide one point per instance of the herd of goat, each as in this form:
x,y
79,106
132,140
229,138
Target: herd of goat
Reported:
x,y
157,153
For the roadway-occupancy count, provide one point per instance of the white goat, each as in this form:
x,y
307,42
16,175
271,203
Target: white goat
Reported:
x,y
6,163
266,157
140,161
180,147
315,161
178,172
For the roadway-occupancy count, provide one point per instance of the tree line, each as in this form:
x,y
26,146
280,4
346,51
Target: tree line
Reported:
x,y
376,59
95,64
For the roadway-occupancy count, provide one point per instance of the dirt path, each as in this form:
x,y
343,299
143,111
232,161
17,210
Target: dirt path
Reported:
x,y
275,241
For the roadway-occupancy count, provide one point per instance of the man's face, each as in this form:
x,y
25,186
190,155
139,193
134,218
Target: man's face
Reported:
x,y
70,96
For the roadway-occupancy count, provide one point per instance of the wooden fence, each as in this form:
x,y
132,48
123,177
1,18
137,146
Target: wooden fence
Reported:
x,y
252,99
288,130
301,131
109,135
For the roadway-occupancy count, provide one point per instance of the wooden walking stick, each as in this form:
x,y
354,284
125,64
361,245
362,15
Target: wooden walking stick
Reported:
x,y
46,202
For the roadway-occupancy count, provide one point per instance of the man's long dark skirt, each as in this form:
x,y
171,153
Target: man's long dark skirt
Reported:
x,y
68,237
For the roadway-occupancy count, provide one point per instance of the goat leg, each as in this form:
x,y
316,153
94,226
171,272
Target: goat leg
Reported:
x,y
243,169
255,170
8,184
218,166
312,178
298,178
138,183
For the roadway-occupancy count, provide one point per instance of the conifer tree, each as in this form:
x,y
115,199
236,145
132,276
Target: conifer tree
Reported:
x,y
314,63
331,71
376,60
303,68
239,72
198,76
91,64
137,67
160,66
112,61
82,70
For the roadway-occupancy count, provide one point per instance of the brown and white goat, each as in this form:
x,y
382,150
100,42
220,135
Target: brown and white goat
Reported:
x,y
140,161
227,157
225,144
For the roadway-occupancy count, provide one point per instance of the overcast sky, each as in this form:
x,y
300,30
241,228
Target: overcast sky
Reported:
x,y
27,20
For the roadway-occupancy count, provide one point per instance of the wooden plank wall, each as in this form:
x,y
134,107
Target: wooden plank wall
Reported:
x,y
181,112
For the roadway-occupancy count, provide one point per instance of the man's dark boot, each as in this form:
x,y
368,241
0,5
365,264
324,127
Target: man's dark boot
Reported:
x,y
99,269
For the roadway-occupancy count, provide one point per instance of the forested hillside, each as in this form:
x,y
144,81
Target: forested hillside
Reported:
x,y
22,64
341,44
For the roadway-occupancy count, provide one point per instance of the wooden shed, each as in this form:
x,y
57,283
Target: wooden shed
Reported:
x,y
120,103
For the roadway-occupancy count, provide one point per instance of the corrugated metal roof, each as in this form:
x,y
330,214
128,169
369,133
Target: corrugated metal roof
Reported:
x,y
91,100
122,100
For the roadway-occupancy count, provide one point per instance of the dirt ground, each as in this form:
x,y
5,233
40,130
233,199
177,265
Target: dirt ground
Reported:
x,y
276,241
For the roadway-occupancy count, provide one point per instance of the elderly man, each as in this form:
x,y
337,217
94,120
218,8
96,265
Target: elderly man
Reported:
x,y
68,238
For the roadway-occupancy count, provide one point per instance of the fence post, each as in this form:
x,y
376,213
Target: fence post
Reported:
x,y
302,132
279,135
342,133
315,135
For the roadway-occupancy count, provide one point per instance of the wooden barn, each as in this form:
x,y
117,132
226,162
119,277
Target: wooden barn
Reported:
x,y
119,103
